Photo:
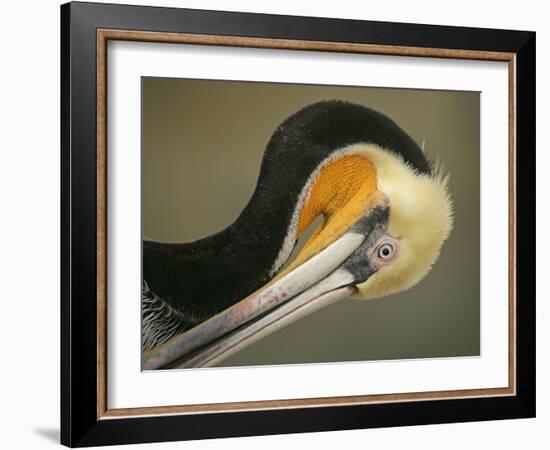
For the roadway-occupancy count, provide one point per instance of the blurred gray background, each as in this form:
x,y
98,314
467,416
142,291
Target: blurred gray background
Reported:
x,y
203,142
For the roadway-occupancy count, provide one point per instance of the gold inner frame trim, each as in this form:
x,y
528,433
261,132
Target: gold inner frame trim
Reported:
x,y
103,36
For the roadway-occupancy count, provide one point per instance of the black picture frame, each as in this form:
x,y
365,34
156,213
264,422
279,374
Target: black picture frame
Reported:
x,y
81,425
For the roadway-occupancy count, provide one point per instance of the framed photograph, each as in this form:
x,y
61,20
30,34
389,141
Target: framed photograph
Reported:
x,y
277,224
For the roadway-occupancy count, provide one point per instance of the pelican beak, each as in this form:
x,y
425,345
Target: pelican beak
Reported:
x,y
324,272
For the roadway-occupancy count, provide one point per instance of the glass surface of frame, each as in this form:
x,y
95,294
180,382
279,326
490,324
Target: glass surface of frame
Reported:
x,y
131,61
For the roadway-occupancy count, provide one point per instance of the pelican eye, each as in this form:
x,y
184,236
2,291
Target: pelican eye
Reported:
x,y
385,251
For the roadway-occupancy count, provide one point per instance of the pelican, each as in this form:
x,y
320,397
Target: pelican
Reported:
x,y
386,212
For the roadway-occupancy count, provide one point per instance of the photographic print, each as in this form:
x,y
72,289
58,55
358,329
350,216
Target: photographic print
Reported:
x,y
298,224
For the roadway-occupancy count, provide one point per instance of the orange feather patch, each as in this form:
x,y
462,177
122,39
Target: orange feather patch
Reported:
x,y
342,193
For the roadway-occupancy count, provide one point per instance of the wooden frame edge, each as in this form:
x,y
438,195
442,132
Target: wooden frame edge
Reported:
x,y
103,35
101,223
305,403
512,199
290,44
